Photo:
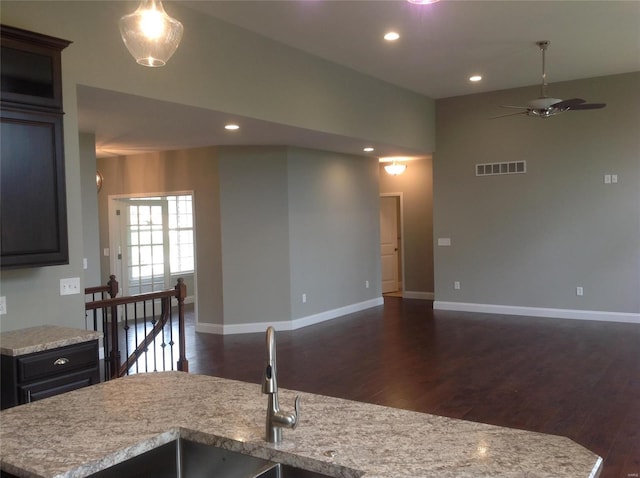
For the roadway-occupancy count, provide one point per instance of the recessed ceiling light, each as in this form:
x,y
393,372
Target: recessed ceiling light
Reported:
x,y
391,36
368,149
475,78
231,127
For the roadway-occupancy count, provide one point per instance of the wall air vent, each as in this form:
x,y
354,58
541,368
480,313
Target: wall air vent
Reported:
x,y
493,169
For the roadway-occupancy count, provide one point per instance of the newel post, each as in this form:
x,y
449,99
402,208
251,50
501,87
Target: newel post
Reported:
x,y
113,286
181,294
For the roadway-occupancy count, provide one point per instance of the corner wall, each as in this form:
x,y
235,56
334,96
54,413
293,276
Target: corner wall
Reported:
x,y
334,233
523,243
195,170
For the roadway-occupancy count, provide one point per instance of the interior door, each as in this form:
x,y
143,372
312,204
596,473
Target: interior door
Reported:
x,y
389,243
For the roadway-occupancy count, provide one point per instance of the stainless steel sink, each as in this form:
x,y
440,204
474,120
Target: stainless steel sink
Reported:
x,y
188,459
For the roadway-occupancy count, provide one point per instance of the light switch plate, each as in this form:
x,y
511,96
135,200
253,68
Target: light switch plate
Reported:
x,y
70,286
3,305
444,241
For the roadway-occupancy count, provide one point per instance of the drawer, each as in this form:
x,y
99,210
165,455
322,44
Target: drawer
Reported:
x,y
60,360
55,386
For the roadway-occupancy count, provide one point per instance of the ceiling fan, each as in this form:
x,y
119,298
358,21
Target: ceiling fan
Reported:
x,y
544,106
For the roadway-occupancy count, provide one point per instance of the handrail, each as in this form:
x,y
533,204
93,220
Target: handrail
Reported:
x,y
109,306
111,288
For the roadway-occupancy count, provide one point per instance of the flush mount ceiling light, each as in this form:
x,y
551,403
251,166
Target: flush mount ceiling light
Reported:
x,y
391,36
231,127
475,78
368,149
150,35
395,168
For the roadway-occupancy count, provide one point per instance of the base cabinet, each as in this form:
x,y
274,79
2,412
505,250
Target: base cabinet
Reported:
x,y
39,375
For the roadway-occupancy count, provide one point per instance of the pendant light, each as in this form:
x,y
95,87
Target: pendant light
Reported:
x,y
395,168
150,35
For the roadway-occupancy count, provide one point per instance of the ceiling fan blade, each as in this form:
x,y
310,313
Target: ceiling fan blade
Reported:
x,y
569,103
511,114
588,106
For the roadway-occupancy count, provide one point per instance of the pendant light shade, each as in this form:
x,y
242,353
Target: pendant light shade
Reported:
x,y
395,168
150,35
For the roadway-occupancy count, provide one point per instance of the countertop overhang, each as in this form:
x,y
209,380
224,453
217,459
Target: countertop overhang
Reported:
x,y
84,431
43,337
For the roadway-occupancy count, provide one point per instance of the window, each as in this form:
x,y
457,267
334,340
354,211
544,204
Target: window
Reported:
x,y
159,240
181,234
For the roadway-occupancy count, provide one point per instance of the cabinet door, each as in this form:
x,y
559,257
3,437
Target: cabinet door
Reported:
x,y
30,71
32,188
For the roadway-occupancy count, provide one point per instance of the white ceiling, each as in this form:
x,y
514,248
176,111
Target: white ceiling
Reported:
x,y
441,45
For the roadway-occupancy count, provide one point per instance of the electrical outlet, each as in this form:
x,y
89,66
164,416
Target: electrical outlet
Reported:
x,y
3,305
70,286
579,291
456,285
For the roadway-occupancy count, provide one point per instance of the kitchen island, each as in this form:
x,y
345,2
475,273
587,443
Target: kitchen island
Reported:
x,y
87,430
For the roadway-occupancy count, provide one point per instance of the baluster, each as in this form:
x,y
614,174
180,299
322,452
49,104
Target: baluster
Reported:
x,y
171,342
163,345
115,342
126,332
146,349
105,343
181,294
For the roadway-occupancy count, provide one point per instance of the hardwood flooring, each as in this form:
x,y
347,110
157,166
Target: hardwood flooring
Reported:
x,y
579,379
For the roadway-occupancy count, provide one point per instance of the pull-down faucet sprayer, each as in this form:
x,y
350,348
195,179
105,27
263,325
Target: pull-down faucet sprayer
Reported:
x,y
276,419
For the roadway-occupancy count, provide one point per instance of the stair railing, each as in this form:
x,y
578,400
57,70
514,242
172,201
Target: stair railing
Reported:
x,y
140,313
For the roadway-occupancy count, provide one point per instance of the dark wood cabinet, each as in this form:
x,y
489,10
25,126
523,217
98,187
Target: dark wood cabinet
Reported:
x,y
31,377
32,180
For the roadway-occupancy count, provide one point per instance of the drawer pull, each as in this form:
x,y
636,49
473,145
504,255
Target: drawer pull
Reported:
x,y
61,361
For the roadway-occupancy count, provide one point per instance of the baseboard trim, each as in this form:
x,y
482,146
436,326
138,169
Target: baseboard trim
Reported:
x,y
295,324
539,312
409,294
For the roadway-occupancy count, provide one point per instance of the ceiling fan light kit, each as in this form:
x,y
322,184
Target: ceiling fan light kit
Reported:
x,y
545,106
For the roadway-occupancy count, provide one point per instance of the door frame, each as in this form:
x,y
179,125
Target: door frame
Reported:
x,y
401,228
114,233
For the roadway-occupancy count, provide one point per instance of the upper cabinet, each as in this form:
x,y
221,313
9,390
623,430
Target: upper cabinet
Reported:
x,y
31,69
32,182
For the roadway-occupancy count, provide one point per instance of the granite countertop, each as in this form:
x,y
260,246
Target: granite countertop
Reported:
x,y
84,431
43,337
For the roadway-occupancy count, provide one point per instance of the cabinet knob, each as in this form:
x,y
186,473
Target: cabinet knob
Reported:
x,y
61,361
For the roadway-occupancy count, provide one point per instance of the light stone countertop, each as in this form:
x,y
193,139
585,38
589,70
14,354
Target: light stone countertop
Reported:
x,y
84,431
43,337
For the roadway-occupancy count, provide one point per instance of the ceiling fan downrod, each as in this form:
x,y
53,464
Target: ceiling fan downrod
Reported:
x,y
543,48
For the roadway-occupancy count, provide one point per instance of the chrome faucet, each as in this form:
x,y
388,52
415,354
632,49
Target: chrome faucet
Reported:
x,y
276,418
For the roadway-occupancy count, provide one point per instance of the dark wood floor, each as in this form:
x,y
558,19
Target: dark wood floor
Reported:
x,y
579,379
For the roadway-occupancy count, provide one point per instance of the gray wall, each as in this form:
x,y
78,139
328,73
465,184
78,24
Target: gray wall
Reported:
x,y
242,74
255,235
272,223
334,230
90,227
530,239
172,171
416,186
